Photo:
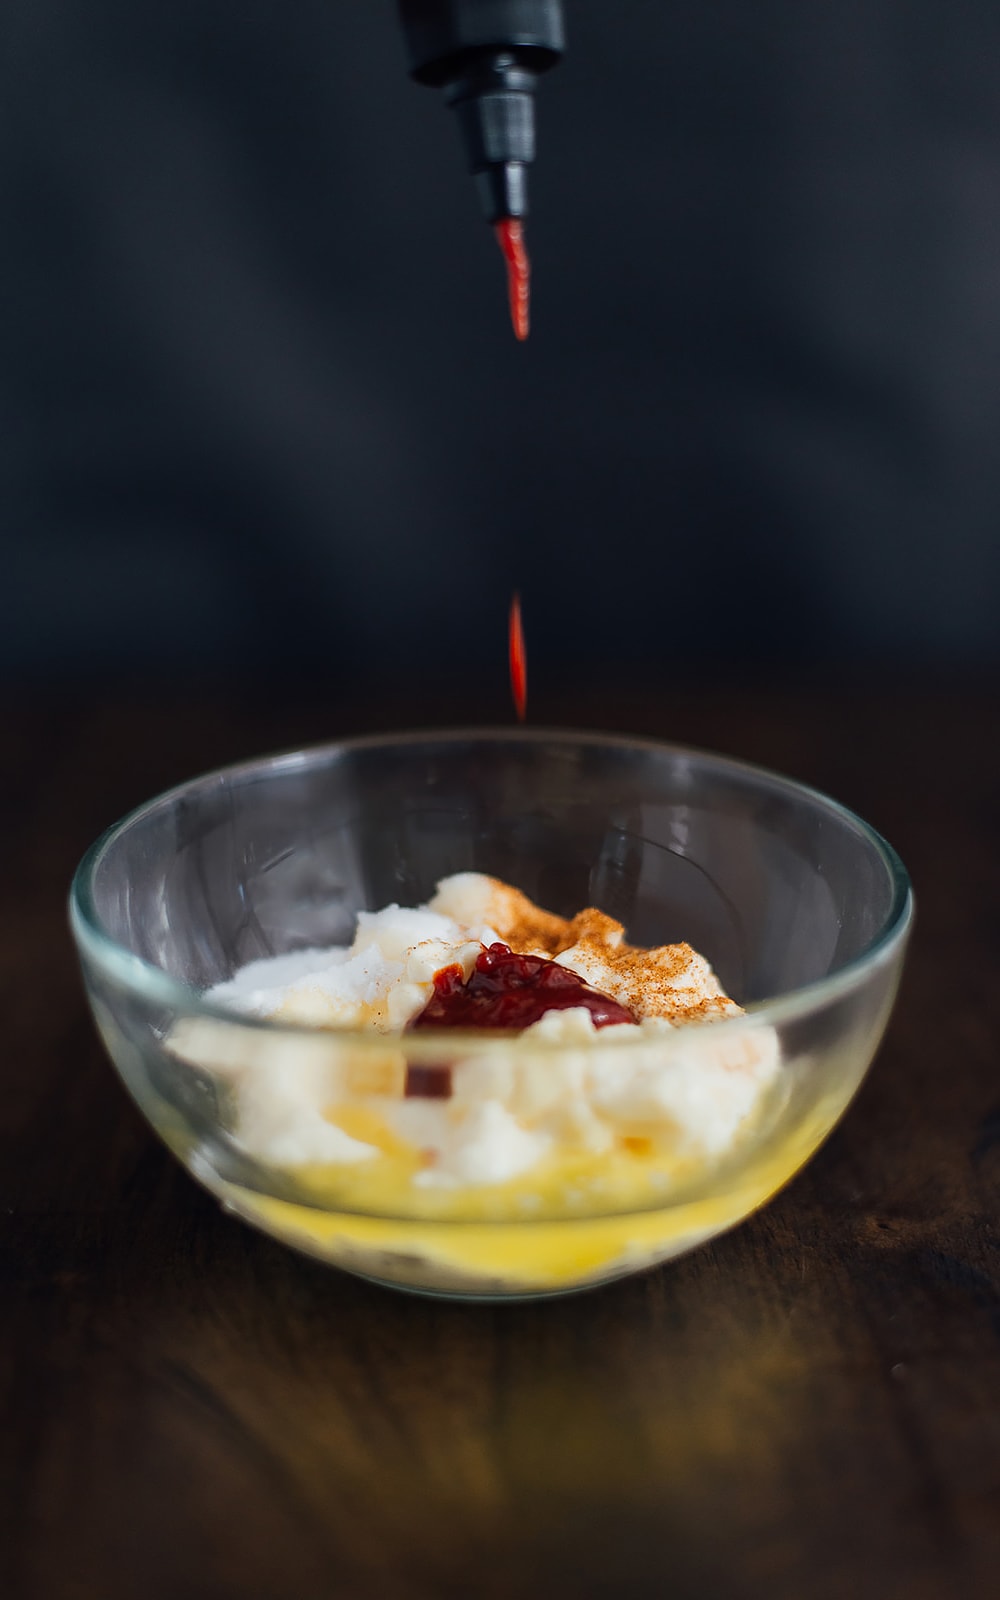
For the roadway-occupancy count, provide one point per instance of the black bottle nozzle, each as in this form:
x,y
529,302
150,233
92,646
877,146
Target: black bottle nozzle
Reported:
x,y
494,101
486,55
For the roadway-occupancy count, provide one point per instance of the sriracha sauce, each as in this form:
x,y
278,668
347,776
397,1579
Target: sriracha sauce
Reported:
x,y
510,238
505,990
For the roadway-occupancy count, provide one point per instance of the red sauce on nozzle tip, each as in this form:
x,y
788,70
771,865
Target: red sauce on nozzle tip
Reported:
x,y
510,237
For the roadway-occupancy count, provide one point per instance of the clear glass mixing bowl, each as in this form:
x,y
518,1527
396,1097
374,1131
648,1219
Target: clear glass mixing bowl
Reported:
x,y
801,908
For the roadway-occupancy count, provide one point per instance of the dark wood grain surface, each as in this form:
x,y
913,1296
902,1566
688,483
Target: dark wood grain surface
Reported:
x,y
810,1407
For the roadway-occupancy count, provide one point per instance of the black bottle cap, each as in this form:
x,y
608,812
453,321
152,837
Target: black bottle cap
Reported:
x,y
486,55
439,33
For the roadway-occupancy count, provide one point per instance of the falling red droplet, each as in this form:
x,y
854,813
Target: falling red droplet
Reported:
x,y
518,659
510,237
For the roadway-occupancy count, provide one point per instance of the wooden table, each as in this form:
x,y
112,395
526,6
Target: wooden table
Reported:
x,y
809,1409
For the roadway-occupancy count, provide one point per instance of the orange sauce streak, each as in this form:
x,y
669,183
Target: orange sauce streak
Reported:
x,y
510,237
518,659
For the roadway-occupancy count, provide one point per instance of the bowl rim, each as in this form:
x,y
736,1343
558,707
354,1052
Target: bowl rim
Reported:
x,y
133,972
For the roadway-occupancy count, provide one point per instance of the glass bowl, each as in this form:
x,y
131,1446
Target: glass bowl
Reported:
x,y
801,908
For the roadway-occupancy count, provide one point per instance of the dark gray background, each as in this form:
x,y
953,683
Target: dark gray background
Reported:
x,y
262,408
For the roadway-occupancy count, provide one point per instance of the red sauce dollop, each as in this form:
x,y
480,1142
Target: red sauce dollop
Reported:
x,y
505,990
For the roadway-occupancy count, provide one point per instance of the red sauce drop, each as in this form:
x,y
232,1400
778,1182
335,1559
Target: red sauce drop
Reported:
x,y
427,1083
510,237
518,659
505,990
